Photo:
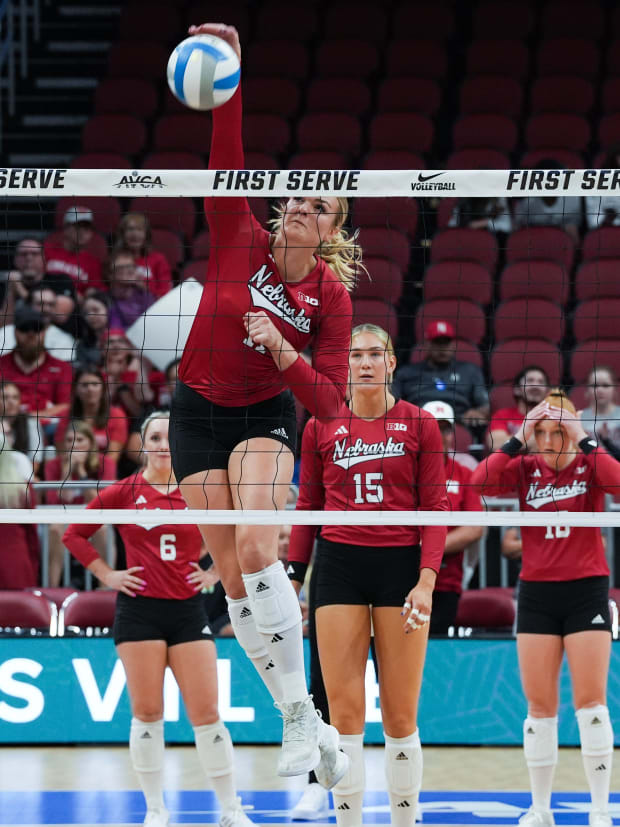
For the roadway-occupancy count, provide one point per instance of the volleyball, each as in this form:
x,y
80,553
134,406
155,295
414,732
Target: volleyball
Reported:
x,y
203,72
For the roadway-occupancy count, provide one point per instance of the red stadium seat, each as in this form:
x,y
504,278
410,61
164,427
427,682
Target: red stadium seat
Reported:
x,y
439,21
386,243
403,94
260,160
501,396
493,18
195,269
461,244
566,157
260,209
485,132
467,318
170,245
265,58
55,594
234,13
465,352
26,610
576,19
365,21
397,213
384,280
186,132
376,312
138,60
151,21
393,159
265,133
562,94
330,131
613,59
495,56
486,611
319,159
417,59
522,318
348,58
543,243
271,96
175,214
535,279
597,319
458,279
126,96
491,94
173,160
598,279
604,242
106,211
401,130
478,159
88,610
610,96
122,134
568,56
555,129
592,354
349,96
100,160
281,20
508,358
445,211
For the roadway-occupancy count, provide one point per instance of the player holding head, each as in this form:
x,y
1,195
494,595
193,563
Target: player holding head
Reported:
x,y
385,455
267,297
563,595
160,621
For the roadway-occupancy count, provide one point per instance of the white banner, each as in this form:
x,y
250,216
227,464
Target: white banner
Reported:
x,y
276,183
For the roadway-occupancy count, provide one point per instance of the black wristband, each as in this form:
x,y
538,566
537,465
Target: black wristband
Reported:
x,y
512,446
205,562
587,445
296,570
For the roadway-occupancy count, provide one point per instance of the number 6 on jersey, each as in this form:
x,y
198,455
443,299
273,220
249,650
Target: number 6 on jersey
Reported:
x,y
167,547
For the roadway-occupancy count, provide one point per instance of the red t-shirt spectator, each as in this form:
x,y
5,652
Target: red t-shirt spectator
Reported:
x,y
83,267
462,496
506,419
48,384
116,429
20,553
155,271
53,471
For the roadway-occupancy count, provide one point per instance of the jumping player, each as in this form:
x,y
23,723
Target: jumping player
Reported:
x,y
267,297
160,621
563,594
385,455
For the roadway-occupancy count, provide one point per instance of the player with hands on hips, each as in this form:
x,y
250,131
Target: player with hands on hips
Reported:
x,y
160,621
563,599
381,454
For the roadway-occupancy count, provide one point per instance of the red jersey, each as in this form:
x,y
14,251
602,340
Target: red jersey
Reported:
x,y
155,271
462,496
555,552
19,552
164,549
507,419
393,463
219,360
116,429
53,472
83,267
49,384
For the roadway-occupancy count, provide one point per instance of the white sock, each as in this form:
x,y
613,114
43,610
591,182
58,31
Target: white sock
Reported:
x,y
403,771
348,793
146,748
215,751
597,746
540,745
252,643
275,606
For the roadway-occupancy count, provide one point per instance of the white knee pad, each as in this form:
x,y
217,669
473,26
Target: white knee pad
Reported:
x,y
244,626
354,780
215,749
403,764
595,732
540,741
273,600
146,745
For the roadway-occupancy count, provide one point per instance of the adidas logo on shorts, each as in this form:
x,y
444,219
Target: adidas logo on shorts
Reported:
x,y
262,587
206,630
245,612
401,757
280,432
598,619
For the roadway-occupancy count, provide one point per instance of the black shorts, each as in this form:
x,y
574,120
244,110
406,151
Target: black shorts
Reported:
x,y
154,618
365,575
563,608
445,608
203,435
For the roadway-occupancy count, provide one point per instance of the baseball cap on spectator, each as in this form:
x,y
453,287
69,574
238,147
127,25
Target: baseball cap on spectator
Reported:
x,y
441,411
439,330
28,319
78,215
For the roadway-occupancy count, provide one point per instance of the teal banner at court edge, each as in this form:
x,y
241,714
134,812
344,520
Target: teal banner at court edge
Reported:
x,y
73,691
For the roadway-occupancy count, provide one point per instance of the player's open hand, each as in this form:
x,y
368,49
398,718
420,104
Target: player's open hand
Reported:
x,y
227,33
200,579
417,608
126,580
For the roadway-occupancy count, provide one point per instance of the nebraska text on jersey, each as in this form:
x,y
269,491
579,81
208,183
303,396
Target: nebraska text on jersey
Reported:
x,y
537,497
271,297
362,451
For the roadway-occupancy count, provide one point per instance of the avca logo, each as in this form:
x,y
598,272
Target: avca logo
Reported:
x,y
136,179
427,183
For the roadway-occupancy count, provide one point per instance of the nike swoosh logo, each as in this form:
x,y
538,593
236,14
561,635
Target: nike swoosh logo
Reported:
x,y
423,178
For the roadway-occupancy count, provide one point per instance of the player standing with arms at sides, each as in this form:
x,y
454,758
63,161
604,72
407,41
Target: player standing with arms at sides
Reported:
x,y
382,454
563,596
266,298
160,621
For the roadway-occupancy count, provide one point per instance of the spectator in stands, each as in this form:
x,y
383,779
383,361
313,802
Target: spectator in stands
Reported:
x,y
44,381
21,431
93,328
90,403
19,550
58,343
129,298
78,459
490,214
601,418
73,257
512,545
134,236
171,373
530,387
440,377
127,374
551,210
604,210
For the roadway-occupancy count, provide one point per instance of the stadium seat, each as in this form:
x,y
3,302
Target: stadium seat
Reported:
x,y
349,96
594,353
568,56
613,59
485,132
277,20
260,209
421,95
265,133
364,21
508,358
501,396
126,96
346,58
467,318
329,131
542,243
386,243
401,130
465,352
493,56
490,94
531,317
234,13
384,280
158,22
397,213
578,396
597,319
493,18
566,157
439,20
557,130
195,269
100,160
458,279
27,612
106,211
123,134
416,58
393,159
185,132
135,59
561,94
604,242
598,279
318,159
460,244
170,244
376,312
271,96
260,160
573,19
535,279
175,214
486,611
445,211
265,58
173,160
477,159
610,96
57,594
88,610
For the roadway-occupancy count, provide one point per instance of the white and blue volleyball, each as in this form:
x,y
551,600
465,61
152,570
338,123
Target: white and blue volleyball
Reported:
x,y
203,71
